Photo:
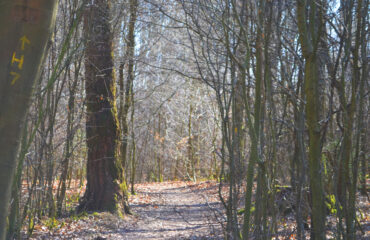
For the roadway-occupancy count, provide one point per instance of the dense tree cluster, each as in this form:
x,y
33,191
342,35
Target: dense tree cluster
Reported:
x,y
266,97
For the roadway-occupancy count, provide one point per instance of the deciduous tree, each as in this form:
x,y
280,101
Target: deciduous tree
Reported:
x,y
25,29
106,187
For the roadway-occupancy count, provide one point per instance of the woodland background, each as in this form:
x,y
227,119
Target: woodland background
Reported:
x,y
268,98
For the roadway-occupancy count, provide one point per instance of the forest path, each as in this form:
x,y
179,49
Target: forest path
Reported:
x,y
167,210
175,210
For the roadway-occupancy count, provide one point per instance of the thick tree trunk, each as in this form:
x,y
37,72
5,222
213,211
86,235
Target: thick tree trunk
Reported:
x,y
24,29
104,190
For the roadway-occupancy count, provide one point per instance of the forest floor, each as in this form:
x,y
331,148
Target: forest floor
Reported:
x,y
169,210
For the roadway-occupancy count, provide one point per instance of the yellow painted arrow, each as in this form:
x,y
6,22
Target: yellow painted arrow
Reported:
x,y
24,41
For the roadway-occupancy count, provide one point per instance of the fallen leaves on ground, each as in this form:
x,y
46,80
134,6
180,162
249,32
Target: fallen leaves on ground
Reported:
x,y
170,210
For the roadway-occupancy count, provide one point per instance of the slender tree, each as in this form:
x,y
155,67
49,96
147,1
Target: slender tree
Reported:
x,y
127,102
310,31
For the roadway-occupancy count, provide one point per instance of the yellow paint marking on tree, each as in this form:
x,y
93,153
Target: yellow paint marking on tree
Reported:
x,y
19,61
24,41
16,76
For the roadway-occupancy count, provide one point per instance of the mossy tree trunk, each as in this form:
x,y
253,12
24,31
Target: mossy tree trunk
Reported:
x,y
133,145
363,122
126,104
348,165
25,27
309,35
14,220
106,188
254,129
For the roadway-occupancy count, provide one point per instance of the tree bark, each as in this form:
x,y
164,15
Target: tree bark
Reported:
x,y
106,189
25,29
254,130
130,52
309,36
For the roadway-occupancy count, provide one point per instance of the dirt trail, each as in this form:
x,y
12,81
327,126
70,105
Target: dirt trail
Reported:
x,y
169,210
175,210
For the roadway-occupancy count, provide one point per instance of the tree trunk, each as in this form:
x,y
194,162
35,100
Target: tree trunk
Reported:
x,y
254,130
314,154
25,28
69,141
104,191
309,36
190,162
14,220
133,156
130,51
